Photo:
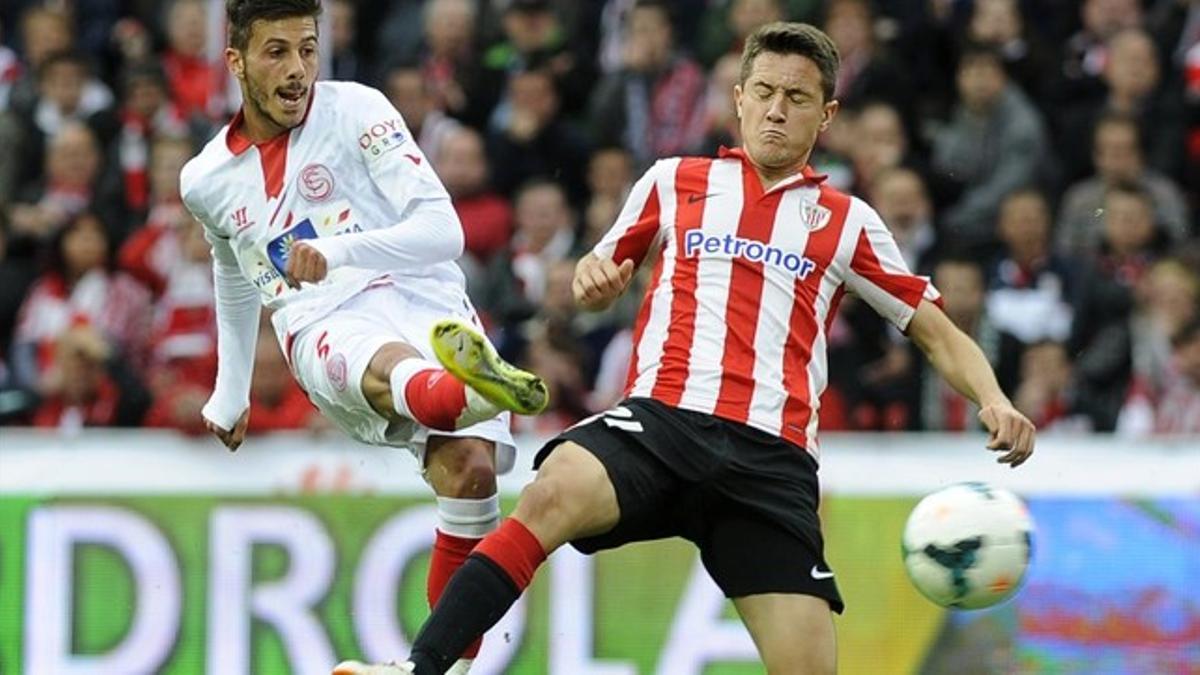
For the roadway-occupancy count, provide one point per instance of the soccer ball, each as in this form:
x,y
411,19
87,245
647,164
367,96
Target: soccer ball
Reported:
x,y
967,546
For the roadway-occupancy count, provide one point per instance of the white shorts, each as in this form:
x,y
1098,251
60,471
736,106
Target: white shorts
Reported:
x,y
330,356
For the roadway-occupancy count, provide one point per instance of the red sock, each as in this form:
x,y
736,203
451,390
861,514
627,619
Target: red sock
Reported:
x,y
436,399
449,553
515,550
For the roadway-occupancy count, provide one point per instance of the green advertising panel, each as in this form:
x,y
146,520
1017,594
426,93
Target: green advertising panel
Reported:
x,y
171,584
177,584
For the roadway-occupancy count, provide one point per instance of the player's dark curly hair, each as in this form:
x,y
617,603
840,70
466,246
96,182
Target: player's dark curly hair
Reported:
x,y
241,15
781,37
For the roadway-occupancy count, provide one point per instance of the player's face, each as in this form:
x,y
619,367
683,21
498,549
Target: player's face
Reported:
x,y
782,108
277,70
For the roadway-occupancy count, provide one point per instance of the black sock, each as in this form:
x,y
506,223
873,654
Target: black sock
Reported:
x,y
476,597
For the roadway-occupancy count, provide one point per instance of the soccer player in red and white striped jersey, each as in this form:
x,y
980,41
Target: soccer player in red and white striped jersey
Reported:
x,y
716,441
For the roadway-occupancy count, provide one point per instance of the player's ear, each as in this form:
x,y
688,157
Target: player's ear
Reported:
x,y
737,100
234,62
827,115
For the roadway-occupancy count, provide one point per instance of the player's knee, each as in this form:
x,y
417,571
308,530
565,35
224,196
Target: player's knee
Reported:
x,y
462,468
545,500
386,358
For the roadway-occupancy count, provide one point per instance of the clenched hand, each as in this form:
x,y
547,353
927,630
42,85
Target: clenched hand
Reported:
x,y
600,281
234,437
305,263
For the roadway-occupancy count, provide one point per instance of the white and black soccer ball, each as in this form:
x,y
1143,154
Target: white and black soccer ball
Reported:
x,y
968,546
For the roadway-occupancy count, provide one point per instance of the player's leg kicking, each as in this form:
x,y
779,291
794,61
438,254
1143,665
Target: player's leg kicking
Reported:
x,y
471,384
438,387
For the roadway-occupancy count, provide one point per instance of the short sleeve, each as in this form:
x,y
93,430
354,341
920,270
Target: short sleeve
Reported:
x,y
638,224
879,275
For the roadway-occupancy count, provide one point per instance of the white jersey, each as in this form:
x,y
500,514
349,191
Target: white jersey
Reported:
x,y
352,182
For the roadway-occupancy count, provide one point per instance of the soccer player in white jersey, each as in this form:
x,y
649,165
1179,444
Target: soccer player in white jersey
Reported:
x,y
716,441
319,205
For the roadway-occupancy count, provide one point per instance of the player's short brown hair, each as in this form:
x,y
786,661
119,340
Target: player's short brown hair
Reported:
x,y
241,15
785,37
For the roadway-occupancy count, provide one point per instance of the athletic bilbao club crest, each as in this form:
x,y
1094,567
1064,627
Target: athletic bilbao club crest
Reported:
x,y
315,182
813,215
335,369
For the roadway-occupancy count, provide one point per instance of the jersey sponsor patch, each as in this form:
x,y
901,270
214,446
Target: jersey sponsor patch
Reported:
x,y
382,137
696,243
281,246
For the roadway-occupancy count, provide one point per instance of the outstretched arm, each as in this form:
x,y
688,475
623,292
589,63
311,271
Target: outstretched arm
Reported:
x,y
958,359
238,308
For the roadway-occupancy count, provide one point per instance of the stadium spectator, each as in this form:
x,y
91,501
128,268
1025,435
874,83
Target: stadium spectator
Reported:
x,y
900,197
867,72
1118,157
654,106
721,121
556,356
344,61
164,211
78,287
1167,299
183,336
197,82
44,31
534,39
879,143
532,139
486,216
276,401
1101,340
126,132
447,55
71,184
994,143
62,80
1047,393
1030,288
89,385
1135,87
726,25
515,282
1175,409
1000,25
609,177
1085,53
406,88
873,371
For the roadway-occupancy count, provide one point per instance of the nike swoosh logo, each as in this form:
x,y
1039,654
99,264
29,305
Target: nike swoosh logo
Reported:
x,y
818,574
693,198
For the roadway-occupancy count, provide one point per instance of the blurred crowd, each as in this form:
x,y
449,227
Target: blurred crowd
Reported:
x,y
1039,159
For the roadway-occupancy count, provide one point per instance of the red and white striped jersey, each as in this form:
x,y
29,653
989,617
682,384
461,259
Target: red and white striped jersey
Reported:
x,y
734,322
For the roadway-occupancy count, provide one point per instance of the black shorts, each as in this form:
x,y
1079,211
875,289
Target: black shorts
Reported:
x,y
746,498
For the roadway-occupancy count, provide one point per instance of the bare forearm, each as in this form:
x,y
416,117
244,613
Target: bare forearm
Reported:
x,y
958,359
